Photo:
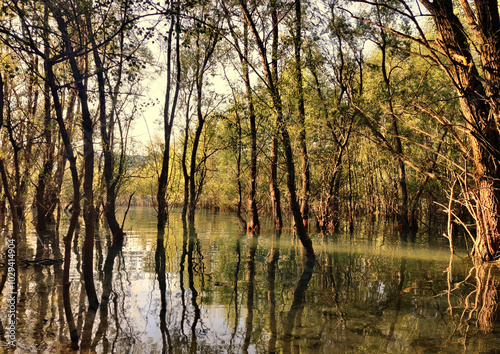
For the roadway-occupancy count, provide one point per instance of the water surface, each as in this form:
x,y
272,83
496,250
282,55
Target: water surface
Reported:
x,y
209,287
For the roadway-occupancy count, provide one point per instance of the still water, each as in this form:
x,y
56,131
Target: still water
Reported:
x,y
211,288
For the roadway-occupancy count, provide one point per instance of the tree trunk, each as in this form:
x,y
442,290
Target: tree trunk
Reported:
x,y
253,224
196,141
306,184
89,214
44,210
107,147
480,103
271,77
168,119
238,173
70,156
205,55
404,223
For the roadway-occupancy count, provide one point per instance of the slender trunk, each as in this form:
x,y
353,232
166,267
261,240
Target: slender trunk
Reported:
x,y
88,157
185,173
398,147
271,77
238,174
254,224
70,156
107,148
168,120
44,210
201,68
306,184
194,151
11,251
272,81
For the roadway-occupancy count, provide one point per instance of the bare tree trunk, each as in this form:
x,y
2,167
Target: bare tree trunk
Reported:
x,y
89,214
70,156
271,76
106,133
398,147
194,150
480,103
168,119
306,184
42,203
238,173
253,224
201,68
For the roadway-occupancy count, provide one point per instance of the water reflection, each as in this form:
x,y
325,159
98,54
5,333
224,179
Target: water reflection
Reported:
x,y
206,287
160,263
272,262
294,316
252,248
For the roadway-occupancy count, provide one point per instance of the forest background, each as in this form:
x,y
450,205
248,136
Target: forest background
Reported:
x,y
329,110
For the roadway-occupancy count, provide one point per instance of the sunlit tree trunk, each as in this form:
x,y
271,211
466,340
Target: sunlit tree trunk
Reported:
x,y
253,224
273,77
480,103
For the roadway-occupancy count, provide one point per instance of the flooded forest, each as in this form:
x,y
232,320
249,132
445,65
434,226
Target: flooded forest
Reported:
x,y
234,176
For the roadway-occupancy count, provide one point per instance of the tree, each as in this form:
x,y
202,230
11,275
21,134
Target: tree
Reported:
x,y
243,55
306,183
169,112
271,77
106,57
205,36
452,45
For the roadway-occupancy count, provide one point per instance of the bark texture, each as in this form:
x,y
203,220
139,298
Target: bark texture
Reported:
x,y
479,100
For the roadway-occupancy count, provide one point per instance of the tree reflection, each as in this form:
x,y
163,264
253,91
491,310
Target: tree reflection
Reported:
x,y
193,244
252,248
295,313
481,304
160,261
271,279
107,289
235,292
397,301
192,251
